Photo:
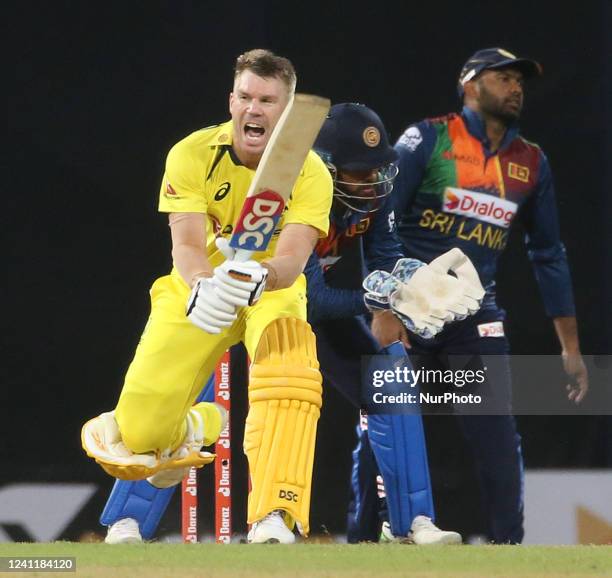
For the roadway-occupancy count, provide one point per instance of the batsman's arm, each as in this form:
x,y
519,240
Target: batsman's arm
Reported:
x,y
188,232
295,245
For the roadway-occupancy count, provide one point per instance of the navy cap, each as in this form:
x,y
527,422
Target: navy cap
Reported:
x,y
493,58
353,138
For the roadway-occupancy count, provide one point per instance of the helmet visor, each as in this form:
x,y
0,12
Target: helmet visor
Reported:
x,y
362,192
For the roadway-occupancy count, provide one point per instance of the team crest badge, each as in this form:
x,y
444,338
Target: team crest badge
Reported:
x,y
518,172
371,136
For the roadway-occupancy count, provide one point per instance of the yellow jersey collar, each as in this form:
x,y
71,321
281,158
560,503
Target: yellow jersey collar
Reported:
x,y
225,134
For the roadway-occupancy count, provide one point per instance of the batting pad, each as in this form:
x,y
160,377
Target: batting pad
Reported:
x,y
284,407
140,499
101,440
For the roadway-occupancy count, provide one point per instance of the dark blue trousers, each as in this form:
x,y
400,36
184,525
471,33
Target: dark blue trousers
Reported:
x,y
493,439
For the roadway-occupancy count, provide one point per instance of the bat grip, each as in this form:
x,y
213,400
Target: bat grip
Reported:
x,y
242,255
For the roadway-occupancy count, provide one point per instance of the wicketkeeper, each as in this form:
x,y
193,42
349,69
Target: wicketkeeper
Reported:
x,y
400,293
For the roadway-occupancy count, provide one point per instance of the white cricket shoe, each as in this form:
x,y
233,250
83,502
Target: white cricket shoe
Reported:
x,y
124,531
423,532
271,530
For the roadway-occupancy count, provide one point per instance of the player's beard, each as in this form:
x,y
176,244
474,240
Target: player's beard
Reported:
x,y
500,108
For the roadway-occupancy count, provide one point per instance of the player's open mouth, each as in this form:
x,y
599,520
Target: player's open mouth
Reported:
x,y
254,132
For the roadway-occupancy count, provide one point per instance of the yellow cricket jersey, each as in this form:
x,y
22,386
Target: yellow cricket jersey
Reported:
x,y
203,175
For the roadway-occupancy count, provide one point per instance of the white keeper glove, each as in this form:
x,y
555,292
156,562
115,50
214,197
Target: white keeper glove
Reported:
x,y
238,283
207,310
426,297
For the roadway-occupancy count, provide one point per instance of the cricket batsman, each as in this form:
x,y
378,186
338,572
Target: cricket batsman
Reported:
x,y
211,300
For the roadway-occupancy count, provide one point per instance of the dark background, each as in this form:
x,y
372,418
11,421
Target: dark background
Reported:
x,y
98,92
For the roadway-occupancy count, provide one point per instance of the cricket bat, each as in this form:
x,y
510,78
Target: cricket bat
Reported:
x,y
278,169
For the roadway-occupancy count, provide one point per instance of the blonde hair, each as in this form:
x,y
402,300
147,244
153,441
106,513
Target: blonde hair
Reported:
x,y
266,64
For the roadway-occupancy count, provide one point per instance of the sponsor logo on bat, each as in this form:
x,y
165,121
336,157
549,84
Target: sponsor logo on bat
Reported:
x,y
258,220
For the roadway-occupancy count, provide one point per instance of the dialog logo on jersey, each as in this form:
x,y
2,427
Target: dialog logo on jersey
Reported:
x,y
493,329
479,206
257,221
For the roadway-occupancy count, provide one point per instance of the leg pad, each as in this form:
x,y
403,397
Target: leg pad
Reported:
x,y
285,397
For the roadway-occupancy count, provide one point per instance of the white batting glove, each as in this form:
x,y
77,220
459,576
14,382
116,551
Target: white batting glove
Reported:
x,y
207,310
238,283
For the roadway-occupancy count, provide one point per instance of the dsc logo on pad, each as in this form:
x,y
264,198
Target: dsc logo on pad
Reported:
x,y
288,495
479,206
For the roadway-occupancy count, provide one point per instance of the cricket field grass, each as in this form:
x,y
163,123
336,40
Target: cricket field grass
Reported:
x,y
317,560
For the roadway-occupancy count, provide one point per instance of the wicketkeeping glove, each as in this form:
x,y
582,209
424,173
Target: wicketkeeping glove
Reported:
x,y
380,285
426,297
207,310
238,283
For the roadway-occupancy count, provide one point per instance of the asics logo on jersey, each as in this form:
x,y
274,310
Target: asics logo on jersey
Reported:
x,y
479,206
222,191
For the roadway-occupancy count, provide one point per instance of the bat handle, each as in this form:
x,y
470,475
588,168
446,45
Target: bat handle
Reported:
x,y
242,255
